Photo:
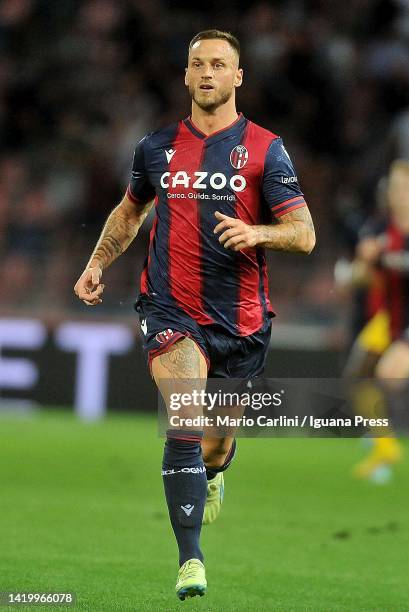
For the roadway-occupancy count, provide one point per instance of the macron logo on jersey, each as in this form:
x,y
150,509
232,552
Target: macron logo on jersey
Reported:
x,y
169,154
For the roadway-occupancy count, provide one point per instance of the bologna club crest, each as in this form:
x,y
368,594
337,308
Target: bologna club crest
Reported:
x,y
239,157
164,336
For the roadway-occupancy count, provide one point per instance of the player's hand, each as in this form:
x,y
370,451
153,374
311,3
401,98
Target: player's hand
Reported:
x,y
369,249
236,234
88,287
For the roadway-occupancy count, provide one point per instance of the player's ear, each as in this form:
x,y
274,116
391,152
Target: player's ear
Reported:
x,y
186,83
239,77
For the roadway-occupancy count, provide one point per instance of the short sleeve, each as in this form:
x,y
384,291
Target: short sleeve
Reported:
x,y
280,184
372,228
140,189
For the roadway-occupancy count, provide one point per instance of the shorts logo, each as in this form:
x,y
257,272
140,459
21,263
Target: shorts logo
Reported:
x,y
239,157
164,336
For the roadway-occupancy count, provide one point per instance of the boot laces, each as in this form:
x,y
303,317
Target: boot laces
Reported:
x,y
190,569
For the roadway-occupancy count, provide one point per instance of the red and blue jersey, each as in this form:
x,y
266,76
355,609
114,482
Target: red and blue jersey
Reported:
x,y
394,267
243,171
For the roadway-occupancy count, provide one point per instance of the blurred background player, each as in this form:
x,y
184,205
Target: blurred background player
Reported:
x,y
381,349
218,182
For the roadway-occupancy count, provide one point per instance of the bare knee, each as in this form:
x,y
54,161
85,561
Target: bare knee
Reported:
x,y
393,367
215,451
384,371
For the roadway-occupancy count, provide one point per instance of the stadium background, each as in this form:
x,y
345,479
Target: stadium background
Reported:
x,y
80,83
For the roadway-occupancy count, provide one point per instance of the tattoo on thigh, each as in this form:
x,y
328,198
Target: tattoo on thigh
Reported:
x,y
181,360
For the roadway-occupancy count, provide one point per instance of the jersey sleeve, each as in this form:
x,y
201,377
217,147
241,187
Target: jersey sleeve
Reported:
x,y
140,189
372,228
280,184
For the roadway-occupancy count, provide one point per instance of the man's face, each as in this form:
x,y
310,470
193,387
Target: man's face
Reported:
x,y
212,73
398,193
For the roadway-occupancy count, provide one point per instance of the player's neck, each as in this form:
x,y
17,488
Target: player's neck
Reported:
x,y
208,123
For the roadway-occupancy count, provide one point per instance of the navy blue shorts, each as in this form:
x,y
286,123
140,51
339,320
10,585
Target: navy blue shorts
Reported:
x,y
227,356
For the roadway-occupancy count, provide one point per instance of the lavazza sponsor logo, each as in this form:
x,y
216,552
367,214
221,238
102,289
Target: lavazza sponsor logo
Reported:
x,y
289,179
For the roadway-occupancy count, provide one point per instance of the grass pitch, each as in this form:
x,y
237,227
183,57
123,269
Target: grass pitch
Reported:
x,y
82,509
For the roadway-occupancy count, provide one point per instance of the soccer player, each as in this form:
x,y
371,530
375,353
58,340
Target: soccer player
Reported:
x,y
382,347
223,189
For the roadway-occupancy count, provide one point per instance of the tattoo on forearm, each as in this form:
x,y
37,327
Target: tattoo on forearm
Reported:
x,y
293,232
181,360
108,247
115,238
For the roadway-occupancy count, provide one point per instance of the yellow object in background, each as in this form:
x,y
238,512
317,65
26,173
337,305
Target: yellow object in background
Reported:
x,y
375,336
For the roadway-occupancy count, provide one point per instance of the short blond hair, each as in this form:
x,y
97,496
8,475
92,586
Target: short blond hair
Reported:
x,y
218,35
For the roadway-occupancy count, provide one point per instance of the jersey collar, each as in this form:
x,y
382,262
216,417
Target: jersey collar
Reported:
x,y
237,123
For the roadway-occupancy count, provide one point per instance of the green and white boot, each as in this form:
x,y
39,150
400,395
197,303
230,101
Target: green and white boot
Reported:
x,y
215,492
191,580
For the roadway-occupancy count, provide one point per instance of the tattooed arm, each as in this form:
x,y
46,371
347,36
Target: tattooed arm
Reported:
x,y
293,232
120,229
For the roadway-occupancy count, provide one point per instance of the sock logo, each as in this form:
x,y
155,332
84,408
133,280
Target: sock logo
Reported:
x,y
187,509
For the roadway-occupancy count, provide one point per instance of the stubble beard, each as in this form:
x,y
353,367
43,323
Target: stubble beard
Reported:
x,y
210,105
